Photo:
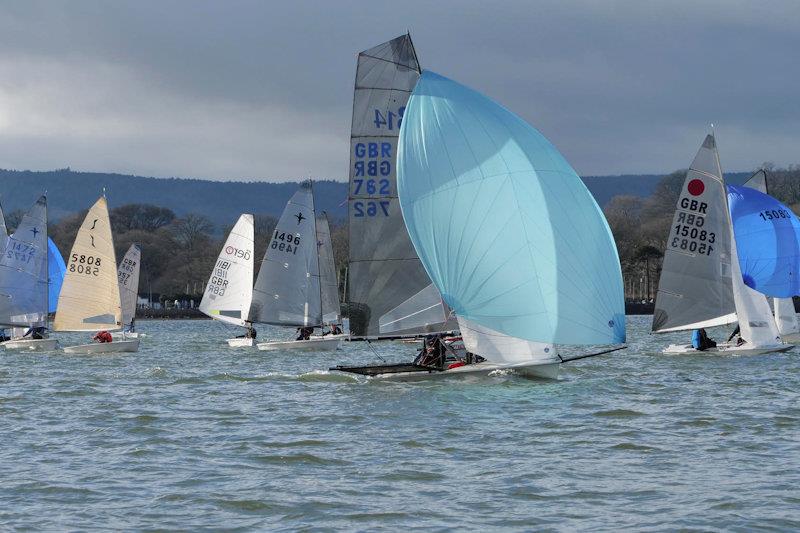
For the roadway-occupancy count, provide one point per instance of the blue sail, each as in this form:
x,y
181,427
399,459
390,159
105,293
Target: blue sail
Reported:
x,y
504,226
55,274
767,240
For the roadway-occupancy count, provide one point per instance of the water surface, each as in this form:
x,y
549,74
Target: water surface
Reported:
x,y
189,434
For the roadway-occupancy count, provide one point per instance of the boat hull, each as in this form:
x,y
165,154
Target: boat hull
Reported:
x,y
241,343
131,345
727,349
539,370
314,344
792,338
125,336
34,345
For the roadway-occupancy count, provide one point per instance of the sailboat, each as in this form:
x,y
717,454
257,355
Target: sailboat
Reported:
x,y
701,283
289,290
128,280
768,243
229,290
384,271
90,296
24,282
329,284
507,232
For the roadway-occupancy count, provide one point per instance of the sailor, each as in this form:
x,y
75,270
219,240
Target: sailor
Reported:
x,y
36,332
737,333
251,333
102,336
701,341
132,327
336,330
303,334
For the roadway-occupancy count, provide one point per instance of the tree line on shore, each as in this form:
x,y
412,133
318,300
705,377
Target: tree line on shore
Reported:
x,y
178,253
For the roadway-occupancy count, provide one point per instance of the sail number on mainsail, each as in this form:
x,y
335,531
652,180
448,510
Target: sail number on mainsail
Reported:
x,y
687,235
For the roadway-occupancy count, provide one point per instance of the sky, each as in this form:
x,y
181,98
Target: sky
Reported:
x,y
256,90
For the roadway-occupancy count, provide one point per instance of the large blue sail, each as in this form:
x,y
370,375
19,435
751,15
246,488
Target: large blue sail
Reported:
x,y
767,240
55,274
505,228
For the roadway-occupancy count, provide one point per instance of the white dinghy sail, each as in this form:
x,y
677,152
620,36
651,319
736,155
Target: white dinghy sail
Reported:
x,y
90,297
701,283
24,279
384,270
329,287
520,251
128,279
229,291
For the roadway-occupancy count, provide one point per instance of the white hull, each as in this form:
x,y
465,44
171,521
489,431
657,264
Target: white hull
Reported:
x,y
37,345
131,345
241,342
320,344
727,349
533,370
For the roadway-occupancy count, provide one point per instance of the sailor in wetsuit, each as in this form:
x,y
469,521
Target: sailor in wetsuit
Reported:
x,y
432,353
249,334
701,341
36,332
303,334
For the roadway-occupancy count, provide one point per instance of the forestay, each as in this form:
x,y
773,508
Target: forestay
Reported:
x,y
384,270
695,289
56,270
89,299
128,278
329,286
23,271
506,229
287,291
229,291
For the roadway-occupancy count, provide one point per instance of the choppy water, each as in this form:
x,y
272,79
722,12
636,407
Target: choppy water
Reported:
x,y
189,434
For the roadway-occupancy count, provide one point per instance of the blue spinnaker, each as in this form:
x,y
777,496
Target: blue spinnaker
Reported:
x,y
767,240
504,226
55,274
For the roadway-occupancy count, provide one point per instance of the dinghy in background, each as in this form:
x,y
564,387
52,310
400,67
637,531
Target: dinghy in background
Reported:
x,y
90,296
701,283
128,279
229,290
24,288
508,234
288,291
768,240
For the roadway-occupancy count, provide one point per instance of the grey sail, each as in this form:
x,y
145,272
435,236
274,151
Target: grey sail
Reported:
x,y
384,270
758,181
287,290
329,287
696,289
3,230
23,271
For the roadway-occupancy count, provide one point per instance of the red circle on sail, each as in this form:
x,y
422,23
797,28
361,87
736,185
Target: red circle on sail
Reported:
x,y
696,187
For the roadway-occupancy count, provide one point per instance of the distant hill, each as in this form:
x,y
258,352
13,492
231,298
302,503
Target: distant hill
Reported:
x,y
222,201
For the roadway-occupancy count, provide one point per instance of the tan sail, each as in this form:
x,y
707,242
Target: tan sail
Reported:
x,y
89,299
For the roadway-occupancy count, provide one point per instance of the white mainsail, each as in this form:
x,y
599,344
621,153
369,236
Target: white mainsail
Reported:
x,y
329,286
23,271
229,291
287,290
128,278
90,299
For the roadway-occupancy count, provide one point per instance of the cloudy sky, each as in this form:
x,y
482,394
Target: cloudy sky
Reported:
x,y
263,90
